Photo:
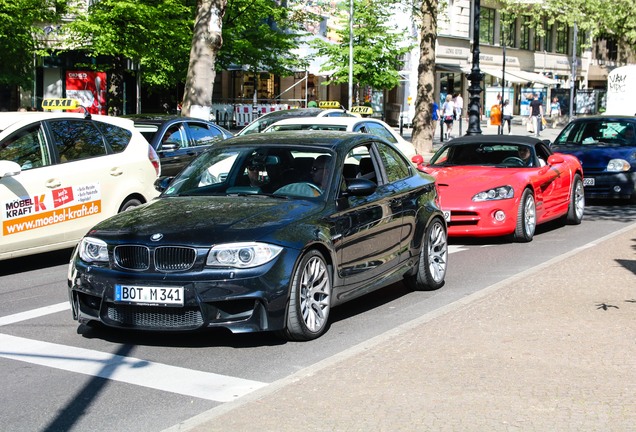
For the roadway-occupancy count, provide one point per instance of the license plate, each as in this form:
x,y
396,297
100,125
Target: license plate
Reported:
x,y
588,181
447,215
151,296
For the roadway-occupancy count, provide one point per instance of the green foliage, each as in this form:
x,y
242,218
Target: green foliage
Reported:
x,y
155,34
261,34
617,16
378,46
22,25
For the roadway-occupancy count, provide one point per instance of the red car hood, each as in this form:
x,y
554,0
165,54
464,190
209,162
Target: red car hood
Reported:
x,y
458,184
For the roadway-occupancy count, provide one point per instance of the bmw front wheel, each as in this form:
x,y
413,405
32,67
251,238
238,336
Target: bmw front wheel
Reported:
x,y
310,299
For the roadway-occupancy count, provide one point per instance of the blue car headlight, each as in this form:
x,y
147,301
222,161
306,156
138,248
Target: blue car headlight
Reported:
x,y
618,165
242,255
93,250
497,193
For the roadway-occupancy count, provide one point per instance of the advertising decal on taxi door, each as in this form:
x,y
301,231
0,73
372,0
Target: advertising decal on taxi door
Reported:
x,y
59,205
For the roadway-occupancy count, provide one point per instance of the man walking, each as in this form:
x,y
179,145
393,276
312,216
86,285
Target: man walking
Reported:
x,y
536,114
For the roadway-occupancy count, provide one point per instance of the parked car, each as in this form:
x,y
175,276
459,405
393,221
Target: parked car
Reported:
x,y
349,124
498,185
61,173
606,147
265,120
178,140
295,225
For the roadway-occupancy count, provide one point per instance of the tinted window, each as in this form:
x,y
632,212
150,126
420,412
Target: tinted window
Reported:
x,y
394,166
27,148
76,139
118,138
381,131
202,134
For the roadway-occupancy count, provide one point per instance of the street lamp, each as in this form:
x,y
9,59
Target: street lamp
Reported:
x,y
475,76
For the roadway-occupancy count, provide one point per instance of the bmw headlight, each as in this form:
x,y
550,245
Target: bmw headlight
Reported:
x,y
498,193
242,255
618,165
93,250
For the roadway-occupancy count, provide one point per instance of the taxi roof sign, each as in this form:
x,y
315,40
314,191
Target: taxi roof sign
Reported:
x,y
328,104
60,104
362,109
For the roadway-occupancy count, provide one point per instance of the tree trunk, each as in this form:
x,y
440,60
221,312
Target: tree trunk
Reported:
x,y
422,137
206,42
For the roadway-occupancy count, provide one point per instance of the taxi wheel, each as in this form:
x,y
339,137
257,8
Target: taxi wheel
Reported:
x,y
131,203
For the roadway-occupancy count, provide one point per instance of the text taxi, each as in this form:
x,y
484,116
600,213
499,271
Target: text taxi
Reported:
x,y
61,173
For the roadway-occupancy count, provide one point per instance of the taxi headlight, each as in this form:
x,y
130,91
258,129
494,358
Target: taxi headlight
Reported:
x,y
618,165
498,193
242,255
93,250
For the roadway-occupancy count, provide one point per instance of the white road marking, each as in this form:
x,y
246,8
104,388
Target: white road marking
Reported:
x,y
204,385
35,313
131,370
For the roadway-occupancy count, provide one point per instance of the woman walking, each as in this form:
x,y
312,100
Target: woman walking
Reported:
x,y
448,115
507,116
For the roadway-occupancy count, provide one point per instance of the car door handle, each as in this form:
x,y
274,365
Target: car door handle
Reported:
x,y
53,183
116,172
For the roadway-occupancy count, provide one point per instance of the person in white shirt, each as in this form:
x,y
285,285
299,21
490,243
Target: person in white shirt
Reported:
x,y
459,105
448,115
507,115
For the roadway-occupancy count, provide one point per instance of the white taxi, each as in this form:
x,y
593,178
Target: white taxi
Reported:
x,y
61,173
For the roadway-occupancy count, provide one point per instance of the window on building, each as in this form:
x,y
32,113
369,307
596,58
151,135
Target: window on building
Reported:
x,y
562,39
487,26
544,34
508,31
524,42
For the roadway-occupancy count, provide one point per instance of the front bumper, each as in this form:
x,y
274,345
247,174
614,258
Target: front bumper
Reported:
x,y
620,185
479,219
239,300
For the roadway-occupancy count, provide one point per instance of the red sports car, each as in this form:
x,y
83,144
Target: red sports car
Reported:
x,y
497,185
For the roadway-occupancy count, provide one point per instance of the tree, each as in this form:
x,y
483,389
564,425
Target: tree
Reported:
x,y
24,25
617,17
206,42
153,35
422,135
378,47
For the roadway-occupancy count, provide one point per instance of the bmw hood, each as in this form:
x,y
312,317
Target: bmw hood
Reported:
x,y
598,156
201,221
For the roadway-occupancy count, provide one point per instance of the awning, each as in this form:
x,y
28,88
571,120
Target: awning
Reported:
x,y
447,67
533,77
497,73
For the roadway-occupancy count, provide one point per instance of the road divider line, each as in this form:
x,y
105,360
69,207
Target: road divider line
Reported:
x,y
130,370
35,313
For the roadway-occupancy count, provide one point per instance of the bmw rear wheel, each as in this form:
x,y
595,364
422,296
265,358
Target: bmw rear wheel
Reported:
x,y
526,218
431,269
310,299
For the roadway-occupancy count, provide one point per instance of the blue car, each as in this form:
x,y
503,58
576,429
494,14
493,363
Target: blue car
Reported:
x,y
606,147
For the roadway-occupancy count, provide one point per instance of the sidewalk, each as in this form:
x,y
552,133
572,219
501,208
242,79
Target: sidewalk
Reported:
x,y
551,349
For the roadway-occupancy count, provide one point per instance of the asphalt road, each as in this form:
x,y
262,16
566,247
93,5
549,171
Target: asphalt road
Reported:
x,y
58,376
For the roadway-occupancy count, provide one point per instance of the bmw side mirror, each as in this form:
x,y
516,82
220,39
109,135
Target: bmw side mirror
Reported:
x,y
161,184
359,187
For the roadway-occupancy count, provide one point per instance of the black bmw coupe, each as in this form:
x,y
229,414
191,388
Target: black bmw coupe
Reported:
x,y
265,232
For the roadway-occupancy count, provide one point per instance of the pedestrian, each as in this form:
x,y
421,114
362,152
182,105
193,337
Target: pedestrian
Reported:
x,y
448,114
536,114
555,112
507,115
434,115
459,105
495,116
